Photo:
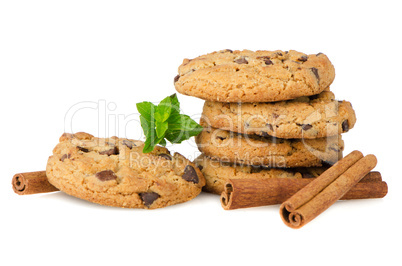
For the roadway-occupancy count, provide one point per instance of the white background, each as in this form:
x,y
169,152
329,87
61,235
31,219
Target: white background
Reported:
x,y
56,55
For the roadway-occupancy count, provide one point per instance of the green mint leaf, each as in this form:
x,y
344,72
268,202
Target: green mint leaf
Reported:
x,y
146,109
164,122
182,127
175,136
163,109
151,141
175,110
174,121
146,125
147,146
195,131
161,128
189,124
163,142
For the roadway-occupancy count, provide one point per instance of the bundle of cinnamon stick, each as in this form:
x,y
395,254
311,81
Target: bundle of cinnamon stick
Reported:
x,y
304,199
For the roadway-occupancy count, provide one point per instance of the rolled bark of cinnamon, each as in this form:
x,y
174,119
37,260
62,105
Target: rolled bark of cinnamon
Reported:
x,y
247,193
326,189
32,183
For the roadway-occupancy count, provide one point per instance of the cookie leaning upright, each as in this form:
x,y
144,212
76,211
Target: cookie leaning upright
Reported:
x,y
115,172
260,76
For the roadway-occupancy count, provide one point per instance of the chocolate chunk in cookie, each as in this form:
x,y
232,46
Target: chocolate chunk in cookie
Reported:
x,y
106,175
190,174
65,156
82,149
303,58
306,127
315,72
165,156
266,59
129,144
241,60
345,126
149,197
112,151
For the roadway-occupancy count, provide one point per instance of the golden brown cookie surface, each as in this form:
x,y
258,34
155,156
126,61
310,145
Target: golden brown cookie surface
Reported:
x,y
115,172
217,173
268,151
311,117
260,76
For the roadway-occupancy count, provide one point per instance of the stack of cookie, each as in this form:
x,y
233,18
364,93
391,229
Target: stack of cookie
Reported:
x,y
268,114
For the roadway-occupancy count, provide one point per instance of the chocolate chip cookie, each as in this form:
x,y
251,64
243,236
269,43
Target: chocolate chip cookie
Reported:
x,y
217,173
260,76
268,151
115,172
310,117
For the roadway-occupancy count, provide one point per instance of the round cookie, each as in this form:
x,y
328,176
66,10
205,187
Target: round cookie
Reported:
x,y
310,117
217,173
268,151
115,172
260,76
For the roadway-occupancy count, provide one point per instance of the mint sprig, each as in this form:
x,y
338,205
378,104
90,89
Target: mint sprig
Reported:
x,y
164,122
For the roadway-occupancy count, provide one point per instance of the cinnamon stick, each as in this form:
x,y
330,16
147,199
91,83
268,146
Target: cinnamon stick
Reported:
x,y
31,183
326,189
247,193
